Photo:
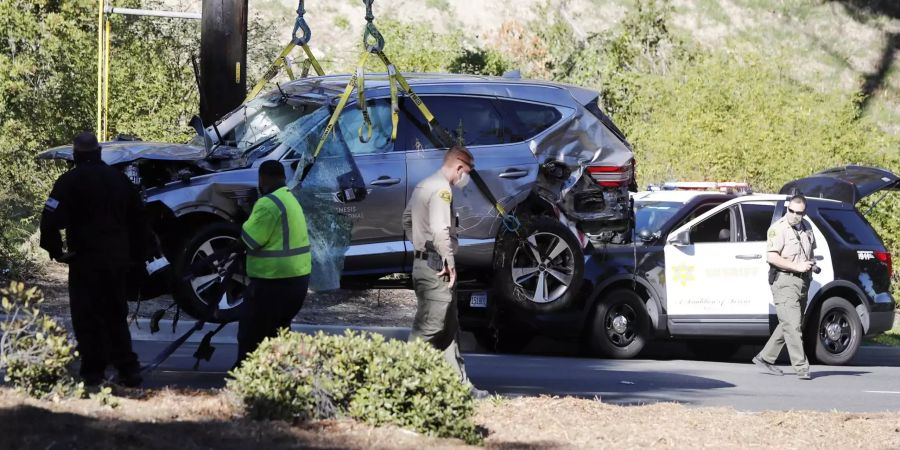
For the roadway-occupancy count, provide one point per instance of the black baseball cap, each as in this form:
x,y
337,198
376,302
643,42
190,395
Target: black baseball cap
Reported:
x,y
85,142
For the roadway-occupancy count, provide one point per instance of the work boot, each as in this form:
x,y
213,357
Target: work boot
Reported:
x,y
130,379
769,367
478,394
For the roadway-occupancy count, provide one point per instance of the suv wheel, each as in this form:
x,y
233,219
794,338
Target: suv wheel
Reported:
x,y
214,292
621,326
544,271
837,332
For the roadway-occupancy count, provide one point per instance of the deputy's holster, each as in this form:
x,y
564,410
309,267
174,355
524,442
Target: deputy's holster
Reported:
x,y
434,260
773,272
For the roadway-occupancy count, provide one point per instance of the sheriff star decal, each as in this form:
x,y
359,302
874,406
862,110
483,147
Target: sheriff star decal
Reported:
x,y
682,274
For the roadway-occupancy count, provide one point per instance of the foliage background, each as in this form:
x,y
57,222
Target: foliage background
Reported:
x,y
728,112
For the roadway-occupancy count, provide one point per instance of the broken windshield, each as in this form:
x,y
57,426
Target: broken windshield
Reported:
x,y
261,120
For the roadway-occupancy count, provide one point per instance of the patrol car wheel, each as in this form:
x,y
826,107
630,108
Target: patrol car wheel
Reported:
x,y
210,284
621,326
544,271
838,332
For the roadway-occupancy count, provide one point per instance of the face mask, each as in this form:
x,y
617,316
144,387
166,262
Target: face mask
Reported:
x,y
463,180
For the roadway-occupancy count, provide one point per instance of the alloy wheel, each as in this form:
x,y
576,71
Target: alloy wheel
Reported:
x,y
543,265
224,281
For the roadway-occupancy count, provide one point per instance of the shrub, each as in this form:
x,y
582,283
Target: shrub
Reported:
x,y
35,351
359,375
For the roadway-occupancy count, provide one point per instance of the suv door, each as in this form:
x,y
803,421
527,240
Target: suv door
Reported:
x,y
508,167
708,270
376,242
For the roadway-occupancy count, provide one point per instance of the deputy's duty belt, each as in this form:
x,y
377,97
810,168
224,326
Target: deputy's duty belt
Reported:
x,y
420,254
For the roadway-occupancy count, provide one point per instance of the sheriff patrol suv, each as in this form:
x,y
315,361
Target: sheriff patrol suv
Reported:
x,y
698,270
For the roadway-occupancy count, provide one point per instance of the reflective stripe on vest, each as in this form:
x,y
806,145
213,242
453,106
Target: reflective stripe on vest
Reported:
x,y
286,249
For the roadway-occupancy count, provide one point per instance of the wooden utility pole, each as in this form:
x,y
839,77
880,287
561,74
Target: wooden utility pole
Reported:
x,y
223,57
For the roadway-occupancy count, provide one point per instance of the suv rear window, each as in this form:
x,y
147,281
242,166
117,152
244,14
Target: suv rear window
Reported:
x,y
850,226
524,120
594,107
473,118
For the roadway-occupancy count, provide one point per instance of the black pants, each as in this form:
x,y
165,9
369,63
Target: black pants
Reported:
x,y
269,305
100,320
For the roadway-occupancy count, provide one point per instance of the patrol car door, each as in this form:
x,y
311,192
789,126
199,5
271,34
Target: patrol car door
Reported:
x,y
750,254
706,274
508,168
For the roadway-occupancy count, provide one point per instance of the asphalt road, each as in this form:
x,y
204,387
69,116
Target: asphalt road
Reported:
x,y
665,373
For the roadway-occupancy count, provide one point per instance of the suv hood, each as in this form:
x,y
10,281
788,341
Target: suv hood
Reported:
x,y
127,151
848,184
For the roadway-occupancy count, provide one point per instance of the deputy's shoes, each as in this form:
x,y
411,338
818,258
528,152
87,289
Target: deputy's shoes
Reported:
x,y
478,394
803,376
769,367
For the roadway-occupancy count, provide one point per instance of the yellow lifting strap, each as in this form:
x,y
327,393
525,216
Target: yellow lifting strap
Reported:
x,y
282,61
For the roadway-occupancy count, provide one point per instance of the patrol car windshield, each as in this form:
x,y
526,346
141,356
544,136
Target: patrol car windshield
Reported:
x,y
651,216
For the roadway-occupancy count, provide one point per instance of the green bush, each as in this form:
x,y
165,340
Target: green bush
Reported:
x,y
35,351
363,376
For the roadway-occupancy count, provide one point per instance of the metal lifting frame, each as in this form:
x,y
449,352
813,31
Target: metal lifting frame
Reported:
x,y
103,33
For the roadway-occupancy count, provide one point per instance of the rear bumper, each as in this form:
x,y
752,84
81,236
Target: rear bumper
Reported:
x,y
880,321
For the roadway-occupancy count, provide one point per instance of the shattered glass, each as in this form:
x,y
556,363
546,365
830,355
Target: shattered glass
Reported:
x,y
334,170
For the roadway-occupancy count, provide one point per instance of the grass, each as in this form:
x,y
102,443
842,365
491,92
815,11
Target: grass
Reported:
x,y
889,338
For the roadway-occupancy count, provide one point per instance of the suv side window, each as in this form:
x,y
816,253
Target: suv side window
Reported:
x,y
474,119
717,228
346,132
850,226
523,121
757,219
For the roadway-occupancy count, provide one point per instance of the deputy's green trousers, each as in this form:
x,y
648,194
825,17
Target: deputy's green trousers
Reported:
x,y
789,293
437,320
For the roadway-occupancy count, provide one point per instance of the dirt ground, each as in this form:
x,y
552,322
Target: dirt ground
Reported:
x,y
375,307
206,419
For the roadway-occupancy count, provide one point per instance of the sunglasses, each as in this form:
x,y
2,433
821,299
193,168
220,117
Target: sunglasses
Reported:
x,y
799,213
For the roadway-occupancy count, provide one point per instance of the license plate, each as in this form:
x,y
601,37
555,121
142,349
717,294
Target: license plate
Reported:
x,y
478,300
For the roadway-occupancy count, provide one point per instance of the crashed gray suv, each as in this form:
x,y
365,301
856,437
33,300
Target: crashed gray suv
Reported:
x,y
545,150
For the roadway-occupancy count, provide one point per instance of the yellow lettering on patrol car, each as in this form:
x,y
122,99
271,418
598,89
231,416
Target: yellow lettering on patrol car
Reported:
x,y
445,196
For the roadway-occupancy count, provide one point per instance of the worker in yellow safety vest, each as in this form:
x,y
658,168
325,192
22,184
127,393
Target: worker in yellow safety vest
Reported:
x,y
278,260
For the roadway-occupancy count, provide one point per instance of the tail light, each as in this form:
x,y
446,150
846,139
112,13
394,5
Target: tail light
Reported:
x,y
612,176
885,257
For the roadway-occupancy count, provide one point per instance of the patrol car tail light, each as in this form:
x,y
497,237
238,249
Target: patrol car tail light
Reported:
x,y
612,176
885,257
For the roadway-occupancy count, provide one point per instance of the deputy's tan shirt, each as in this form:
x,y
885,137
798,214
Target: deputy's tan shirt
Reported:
x,y
794,246
429,217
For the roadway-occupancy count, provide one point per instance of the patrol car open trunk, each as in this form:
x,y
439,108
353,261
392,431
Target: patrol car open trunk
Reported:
x,y
848,184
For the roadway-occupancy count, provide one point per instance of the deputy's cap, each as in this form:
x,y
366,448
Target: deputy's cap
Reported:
x,y
85,142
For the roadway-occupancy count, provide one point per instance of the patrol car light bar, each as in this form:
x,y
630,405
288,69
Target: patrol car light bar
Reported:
x,y
729,187
611,176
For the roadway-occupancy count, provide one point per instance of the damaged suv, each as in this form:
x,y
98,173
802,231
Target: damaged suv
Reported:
x,y
546,152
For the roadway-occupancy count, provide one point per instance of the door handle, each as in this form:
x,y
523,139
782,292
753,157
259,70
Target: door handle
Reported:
x,y
385,181
756,256
513,174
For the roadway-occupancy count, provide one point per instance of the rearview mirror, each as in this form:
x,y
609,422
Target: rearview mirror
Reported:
x,y
679,238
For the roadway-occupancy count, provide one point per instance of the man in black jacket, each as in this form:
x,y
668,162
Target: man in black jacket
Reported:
x,y
103,215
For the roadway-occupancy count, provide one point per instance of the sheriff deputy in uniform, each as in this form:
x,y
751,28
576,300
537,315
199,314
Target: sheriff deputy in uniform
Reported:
x,y
278,261
789,249
430,220
106,232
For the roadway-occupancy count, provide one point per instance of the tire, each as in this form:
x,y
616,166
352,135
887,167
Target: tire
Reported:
x,y
200,294
620,327
503,340
836,334
544,276
713,350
